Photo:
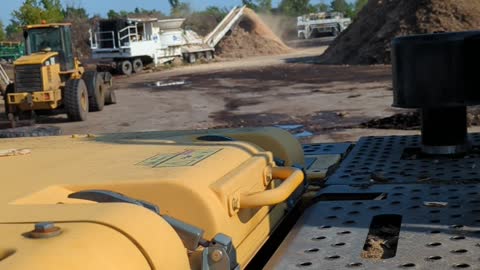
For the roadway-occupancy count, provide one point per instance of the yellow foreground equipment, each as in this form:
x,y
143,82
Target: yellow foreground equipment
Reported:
x,y
161,200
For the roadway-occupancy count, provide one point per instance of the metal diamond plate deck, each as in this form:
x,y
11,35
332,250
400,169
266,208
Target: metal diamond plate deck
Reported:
x,y
326,149
331,234
381,160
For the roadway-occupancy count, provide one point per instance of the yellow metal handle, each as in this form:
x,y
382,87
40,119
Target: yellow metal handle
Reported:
x,y
292,178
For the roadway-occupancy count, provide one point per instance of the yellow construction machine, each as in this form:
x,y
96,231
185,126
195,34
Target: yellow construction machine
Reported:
x,y
50,77
256,198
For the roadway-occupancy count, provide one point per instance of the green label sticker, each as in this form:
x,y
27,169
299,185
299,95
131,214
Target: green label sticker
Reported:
x,y
183,159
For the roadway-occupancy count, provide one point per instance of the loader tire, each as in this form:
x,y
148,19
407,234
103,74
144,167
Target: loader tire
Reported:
x,y
76,100
137,65
125,67
96,93
34,131
110,97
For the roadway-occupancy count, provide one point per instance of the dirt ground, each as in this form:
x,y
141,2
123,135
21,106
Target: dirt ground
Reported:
x,y
330,101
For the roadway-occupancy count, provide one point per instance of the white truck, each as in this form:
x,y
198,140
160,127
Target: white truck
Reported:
x,y
317,24
132,43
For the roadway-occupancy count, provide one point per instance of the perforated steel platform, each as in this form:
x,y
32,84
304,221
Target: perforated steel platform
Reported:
x,y
326,148
440,228
319,158
393,160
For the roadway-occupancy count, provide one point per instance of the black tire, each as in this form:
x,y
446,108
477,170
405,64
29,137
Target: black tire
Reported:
x,y
110,97
137,65
76,100
9,90
96,93
209,56
30,132
125,67
192,58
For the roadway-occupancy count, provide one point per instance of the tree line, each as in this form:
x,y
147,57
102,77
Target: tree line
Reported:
x,y
301,7
36,11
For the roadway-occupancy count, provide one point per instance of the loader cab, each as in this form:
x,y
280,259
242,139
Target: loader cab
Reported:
x,y
51,37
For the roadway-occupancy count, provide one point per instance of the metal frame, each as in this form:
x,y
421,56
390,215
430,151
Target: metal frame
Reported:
x,y
440,228
397,159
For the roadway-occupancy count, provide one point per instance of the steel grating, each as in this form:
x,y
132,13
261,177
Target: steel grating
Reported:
x,y
332,234
326,149
383,160
320,158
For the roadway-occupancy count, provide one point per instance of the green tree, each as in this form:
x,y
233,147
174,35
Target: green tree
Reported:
x,y
112,14
14,31
146,12
2,32
78,17
36,11
75,12
264,6
249,3
174,3
296,7
216,12
322,7
343,7
137,12
52,10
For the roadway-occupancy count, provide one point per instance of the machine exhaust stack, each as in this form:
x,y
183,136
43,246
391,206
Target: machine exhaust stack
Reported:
x,y
434,74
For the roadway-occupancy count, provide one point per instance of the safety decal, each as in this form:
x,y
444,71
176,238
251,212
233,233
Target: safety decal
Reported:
x,y
189,157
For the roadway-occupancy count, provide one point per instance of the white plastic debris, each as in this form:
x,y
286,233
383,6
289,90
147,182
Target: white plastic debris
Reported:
x,y
14,152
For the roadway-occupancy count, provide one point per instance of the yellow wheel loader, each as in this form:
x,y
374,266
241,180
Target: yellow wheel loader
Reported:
x,y
49,77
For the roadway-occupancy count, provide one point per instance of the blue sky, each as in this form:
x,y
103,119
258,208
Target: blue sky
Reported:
x,y
102,6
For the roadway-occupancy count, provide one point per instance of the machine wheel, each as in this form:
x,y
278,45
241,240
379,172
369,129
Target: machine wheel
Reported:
x,y
125,67
209,56
96,94
110,97
76,99
137,65
192,58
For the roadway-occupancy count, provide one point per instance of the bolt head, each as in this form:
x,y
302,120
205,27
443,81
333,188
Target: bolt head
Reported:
x,y
44,226
216,255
